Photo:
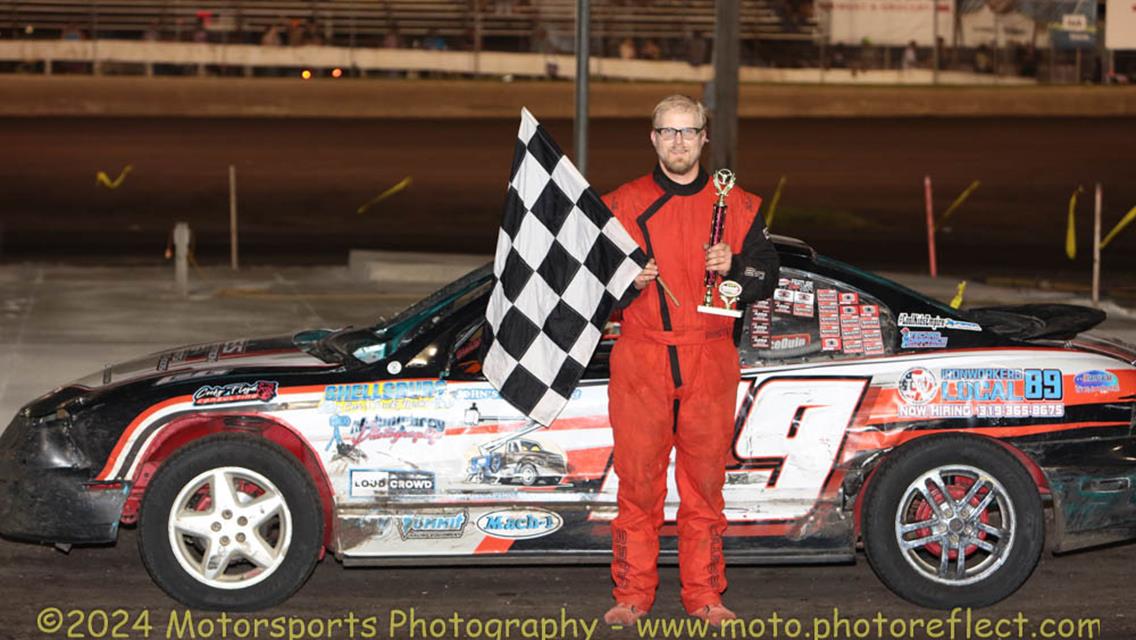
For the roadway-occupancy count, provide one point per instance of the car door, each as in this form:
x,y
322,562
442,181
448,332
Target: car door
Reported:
x,y
806,357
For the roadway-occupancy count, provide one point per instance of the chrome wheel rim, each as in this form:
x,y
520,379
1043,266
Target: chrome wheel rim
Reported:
x,y
230,528
955,525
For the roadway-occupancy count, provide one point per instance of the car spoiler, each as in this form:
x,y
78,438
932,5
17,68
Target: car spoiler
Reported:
x,y
1037,321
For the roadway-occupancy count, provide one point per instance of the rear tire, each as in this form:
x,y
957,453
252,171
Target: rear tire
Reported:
x,y
231,522
953,521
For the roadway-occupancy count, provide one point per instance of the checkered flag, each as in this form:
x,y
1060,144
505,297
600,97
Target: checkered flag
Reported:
x,y
562,262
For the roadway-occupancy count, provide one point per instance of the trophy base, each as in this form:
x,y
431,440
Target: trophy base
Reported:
x,y
719,311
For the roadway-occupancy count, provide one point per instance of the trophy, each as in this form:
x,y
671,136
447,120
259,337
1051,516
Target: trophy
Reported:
x,y
728,290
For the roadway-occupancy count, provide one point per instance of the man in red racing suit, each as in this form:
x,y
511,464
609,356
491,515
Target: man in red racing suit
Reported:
x,y
674,371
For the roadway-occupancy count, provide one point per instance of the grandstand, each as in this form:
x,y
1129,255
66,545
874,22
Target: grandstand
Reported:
x,y
511,24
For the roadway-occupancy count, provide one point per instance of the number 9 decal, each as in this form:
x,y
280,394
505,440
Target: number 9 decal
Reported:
x,y
792,433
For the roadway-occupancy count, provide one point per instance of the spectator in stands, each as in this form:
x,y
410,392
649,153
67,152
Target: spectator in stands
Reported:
x,y
153,32
910,57
867,54
392,39
199,32
313,35
434,41
72,32
1028,61
695,48
272,37
295,32
839,57
983,63
650,50
627,49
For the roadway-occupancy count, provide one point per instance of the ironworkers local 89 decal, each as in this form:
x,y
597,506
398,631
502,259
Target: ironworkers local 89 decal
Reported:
x,y
980,392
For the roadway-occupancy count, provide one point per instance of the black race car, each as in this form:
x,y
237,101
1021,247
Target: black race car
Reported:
x,y
867,412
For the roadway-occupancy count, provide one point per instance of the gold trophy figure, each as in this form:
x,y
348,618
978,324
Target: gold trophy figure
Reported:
x,y
728,290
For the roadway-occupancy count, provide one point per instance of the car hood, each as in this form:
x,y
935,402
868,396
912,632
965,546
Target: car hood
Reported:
x,y
207,359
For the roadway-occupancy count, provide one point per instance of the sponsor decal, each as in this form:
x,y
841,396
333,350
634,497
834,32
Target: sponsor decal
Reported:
x,y
432,526
782,295
928,321
917,386
984,392
397,427
1096,381
367,483
803,303
519,524
206,352
870,330
922,339
759,323
259,391
849,297
190,375
790,341
389,395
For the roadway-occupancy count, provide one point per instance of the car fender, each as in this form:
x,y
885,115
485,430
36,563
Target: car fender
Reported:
x,y
1038,475
192,427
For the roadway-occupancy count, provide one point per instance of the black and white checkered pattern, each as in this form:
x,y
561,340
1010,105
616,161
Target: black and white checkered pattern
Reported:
x,y
562,262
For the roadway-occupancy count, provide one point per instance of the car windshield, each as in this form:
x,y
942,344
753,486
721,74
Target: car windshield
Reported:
x,y
881,281
387,336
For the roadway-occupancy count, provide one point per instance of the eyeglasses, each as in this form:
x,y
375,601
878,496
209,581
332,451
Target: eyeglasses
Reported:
x,y
669,133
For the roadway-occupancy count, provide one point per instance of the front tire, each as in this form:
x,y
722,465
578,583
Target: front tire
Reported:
x,y
953,521
231,522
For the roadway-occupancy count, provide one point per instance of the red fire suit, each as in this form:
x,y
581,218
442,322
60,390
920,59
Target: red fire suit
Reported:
x,y
674,380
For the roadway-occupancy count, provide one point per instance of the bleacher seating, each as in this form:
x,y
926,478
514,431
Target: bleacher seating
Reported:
x,y
366,22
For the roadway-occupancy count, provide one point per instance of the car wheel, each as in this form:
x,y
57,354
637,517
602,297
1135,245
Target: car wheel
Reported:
x,y
527,474
231,522
953,521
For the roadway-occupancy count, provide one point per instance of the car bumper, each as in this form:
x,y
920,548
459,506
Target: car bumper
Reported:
x,y
1093,485
46,493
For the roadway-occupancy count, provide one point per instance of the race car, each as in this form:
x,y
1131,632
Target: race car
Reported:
x,y
866,414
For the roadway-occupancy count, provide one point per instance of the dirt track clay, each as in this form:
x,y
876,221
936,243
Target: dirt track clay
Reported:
x,y
854,187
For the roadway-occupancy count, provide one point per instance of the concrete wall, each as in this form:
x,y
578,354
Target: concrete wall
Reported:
x,y
36,96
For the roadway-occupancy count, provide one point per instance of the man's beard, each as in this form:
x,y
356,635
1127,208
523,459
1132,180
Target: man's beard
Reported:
x,y
680,166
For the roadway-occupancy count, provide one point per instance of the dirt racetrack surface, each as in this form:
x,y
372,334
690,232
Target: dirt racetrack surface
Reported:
x,y
854,187
1063,590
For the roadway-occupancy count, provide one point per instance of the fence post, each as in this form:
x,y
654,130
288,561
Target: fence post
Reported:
x,y
930,228
181,257
233,255
1096,247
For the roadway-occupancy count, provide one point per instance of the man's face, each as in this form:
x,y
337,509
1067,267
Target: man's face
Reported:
x,y
678,155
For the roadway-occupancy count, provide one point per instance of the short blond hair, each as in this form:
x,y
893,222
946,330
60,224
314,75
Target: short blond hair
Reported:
x,y
679,102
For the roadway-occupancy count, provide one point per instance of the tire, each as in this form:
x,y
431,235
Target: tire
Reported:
x,y
184,516
527,474
1000,532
